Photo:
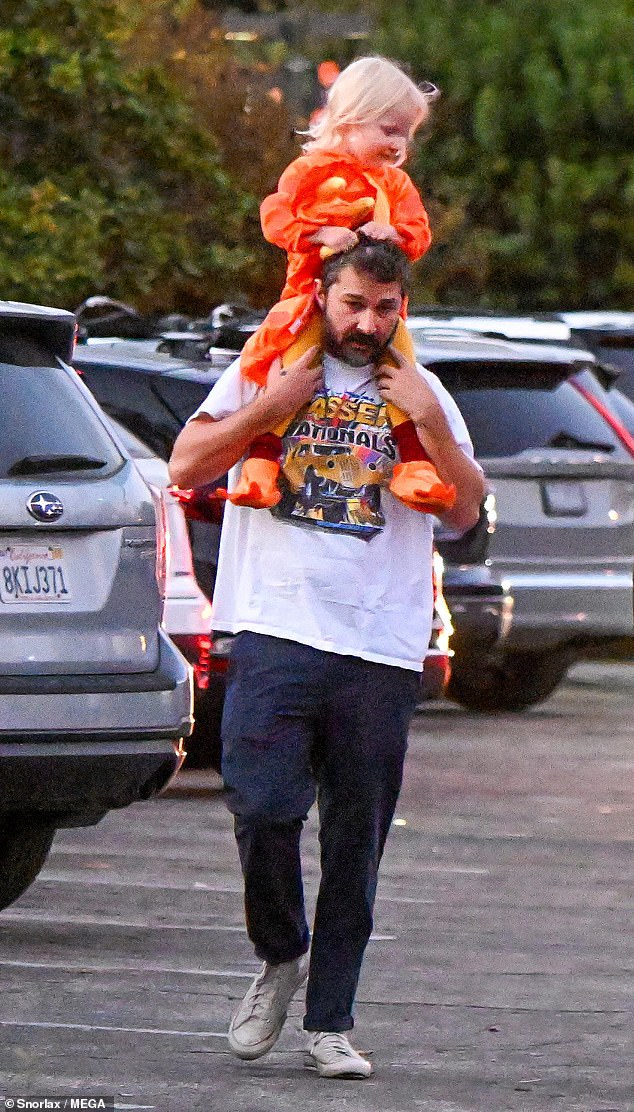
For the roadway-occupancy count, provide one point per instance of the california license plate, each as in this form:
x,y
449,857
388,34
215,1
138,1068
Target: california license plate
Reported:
x,y
33,574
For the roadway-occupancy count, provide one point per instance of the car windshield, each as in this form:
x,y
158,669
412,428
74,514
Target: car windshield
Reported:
x,y
47,426
512,407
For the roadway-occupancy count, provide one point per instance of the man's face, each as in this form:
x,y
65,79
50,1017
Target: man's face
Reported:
x,y
360,315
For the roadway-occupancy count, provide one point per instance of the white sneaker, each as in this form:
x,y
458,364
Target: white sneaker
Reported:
x,y
257,1024
332,1055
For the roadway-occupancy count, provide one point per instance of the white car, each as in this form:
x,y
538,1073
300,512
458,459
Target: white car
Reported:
x,y
187,611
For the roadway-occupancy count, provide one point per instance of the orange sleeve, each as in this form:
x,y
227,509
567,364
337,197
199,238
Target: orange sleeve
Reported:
x,y
282,222
409,215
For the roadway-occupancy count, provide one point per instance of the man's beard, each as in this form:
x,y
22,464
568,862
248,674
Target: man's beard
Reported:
x,y
356,349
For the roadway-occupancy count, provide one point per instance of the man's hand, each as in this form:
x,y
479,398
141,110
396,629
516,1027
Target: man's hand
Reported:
x,y
335,239
374,230
205,449
405,388
289,388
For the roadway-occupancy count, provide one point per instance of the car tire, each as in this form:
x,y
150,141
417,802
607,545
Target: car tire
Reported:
x,y
510,682
24,844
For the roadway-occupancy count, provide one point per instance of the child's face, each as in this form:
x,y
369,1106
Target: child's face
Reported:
x,y
381,142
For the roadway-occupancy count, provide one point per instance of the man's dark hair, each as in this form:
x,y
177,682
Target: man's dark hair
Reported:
x,y
382,260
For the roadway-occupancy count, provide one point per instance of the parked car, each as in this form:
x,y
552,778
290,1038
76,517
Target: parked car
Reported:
x,y
95,700
610,336
564,488
186,611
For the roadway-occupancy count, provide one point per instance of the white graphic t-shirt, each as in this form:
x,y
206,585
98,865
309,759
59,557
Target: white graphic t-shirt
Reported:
x,y
340,563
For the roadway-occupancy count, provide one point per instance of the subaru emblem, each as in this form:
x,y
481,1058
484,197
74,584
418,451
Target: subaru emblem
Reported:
x,y
44,506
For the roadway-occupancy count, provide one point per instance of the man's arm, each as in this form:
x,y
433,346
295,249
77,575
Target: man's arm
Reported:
x,y
206,448
406,388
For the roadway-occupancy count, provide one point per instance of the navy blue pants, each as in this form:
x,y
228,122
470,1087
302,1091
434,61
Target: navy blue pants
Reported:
x,y
301,724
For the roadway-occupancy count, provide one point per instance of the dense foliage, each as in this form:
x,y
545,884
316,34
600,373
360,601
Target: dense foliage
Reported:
x,y
529,170
135,146
110,179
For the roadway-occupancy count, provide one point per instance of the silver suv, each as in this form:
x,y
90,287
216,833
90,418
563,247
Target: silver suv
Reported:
x,y
563,483
94,698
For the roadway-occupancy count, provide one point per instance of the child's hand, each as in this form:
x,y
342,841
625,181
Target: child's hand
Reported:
x,y
374,230
335,239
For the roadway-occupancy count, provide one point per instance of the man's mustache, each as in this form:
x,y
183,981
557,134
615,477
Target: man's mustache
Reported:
x,y
370,342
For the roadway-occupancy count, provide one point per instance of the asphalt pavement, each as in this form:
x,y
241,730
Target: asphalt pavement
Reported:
x,y
499,978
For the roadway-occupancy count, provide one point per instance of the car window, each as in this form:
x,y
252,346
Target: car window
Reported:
x,y
623,407
512,407
44,416
136,447
130,396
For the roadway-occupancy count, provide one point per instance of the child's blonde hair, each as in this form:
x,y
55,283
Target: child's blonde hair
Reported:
x,y
363,92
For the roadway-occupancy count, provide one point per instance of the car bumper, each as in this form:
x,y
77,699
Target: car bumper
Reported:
x,y
481,609
77,780
550,608
156,703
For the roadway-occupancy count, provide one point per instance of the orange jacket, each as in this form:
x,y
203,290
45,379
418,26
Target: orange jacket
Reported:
x,y
295,211
292,214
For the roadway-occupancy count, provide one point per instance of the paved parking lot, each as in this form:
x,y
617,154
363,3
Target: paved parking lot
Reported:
x,y
500,977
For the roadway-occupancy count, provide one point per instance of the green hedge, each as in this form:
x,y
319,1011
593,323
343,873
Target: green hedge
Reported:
x,y
107,182
126,170
529,169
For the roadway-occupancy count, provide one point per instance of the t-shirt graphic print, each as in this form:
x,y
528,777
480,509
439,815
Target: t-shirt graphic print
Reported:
x,y
306,576
338,453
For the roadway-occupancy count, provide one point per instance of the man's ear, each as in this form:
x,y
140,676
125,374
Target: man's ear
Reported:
x,y
320,294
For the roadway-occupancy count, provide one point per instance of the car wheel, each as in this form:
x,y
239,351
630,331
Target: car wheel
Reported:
x,y
512,681
24,845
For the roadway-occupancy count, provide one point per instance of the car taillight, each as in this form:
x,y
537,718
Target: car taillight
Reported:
x,y
162,539
196,648
200,503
